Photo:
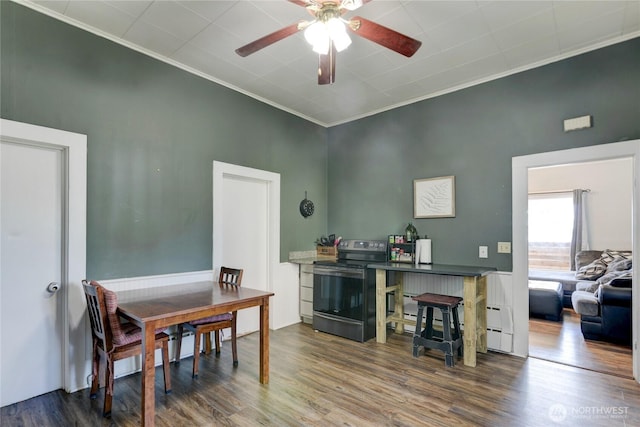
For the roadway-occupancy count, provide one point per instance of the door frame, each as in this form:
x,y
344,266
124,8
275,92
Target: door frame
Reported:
x,y
75,363
520,167
272,181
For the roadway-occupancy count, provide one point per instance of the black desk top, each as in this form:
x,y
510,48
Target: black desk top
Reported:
x,y
443,269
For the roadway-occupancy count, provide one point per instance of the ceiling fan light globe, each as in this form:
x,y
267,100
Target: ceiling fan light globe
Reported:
x,y
317,36
321,46
338,33
314,32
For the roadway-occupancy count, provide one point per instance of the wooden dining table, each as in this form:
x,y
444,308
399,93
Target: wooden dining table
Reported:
x,y
161,307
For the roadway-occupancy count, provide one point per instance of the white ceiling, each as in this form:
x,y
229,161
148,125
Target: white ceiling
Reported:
x,y
463,43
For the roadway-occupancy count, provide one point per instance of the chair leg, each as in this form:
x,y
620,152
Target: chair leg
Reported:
x,y
179,343
108,395
234,343
218,343
165,367
95,371
207,343
196,353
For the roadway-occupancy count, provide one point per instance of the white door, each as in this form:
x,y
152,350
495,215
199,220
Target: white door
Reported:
x,y
246,229
31,258
245,239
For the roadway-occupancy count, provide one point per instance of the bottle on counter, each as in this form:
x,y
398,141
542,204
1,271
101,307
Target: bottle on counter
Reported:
x,y
411,233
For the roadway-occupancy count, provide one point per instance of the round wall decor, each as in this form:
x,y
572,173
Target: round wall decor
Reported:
x,y
306,206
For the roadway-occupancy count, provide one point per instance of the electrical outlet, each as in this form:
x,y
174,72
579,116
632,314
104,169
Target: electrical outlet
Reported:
x,y
504,247
483,252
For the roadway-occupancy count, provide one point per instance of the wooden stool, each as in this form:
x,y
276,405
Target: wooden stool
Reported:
x,y
444,340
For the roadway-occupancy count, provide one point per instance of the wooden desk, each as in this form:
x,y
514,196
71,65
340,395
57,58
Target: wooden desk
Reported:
x,y
160,307
474,295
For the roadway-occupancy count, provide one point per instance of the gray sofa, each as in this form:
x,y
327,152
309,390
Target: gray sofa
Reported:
x,y
604,304
569,279
600,291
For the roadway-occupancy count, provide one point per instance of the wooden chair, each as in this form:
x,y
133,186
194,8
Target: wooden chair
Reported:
x,y
115,340
231,278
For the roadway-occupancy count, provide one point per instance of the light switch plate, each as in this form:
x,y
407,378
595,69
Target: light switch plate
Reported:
x,y
483,252
504,247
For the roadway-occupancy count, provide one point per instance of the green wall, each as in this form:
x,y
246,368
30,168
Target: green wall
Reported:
x,y
473,134
153,133
154,130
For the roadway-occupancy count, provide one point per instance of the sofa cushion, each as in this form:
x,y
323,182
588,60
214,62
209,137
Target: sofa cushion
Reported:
x,y
585,303
586,257
608,256
587,286
592,271
609,277
608,260
620,263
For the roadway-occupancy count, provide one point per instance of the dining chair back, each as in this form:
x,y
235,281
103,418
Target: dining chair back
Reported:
x,y
114,340
229,278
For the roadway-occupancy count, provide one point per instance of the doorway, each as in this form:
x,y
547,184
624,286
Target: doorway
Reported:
x,y
246,229
62,154
606,193
520,167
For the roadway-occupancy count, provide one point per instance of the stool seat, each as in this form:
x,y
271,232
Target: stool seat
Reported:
x,y
437,300
447,341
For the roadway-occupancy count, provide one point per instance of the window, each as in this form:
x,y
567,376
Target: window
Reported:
x,y
550,228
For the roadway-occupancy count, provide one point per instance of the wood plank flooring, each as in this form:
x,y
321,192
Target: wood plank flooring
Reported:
x,y
322,380
562,342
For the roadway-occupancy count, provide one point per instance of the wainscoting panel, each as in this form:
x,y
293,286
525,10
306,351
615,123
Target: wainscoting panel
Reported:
x,y
499,303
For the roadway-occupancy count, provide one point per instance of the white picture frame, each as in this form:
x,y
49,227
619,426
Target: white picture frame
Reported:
x,y
434,197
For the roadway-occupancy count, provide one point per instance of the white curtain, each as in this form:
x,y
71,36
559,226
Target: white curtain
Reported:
x,y
579,235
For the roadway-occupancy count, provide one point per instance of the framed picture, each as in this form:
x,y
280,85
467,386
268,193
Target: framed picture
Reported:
x,y
434,197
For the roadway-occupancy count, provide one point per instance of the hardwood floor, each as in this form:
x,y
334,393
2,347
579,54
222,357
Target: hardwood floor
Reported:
x,y
322,380
562,342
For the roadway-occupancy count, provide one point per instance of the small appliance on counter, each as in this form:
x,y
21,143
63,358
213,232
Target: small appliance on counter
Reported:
x,y
423,251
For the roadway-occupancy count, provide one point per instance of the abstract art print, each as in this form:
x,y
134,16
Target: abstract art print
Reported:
x,y
434,197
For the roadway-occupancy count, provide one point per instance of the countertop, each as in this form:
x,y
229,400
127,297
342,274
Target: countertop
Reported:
x,y
444,269
305,257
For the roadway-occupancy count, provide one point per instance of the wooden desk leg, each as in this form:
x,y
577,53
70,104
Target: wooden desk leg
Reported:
x,y
381,306
147,399
481,314
264,341
470,321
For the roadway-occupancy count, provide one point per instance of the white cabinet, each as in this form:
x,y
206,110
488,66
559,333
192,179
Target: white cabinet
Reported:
x,y
306,293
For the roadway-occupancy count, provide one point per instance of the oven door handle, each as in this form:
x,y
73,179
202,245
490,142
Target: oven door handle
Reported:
x,y
356,273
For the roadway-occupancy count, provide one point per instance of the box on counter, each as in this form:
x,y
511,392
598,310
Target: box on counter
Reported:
x,y
327,251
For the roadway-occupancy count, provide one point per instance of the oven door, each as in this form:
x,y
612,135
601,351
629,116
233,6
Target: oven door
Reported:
x,y
339,292
339,301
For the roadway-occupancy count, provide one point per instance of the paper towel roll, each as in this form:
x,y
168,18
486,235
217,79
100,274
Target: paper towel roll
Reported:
x,y
423,251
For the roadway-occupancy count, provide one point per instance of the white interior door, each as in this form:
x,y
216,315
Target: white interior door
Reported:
x,y
246,230
31,257
245,239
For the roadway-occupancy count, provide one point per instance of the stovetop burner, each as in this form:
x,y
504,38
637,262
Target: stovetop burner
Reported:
x,y
358,253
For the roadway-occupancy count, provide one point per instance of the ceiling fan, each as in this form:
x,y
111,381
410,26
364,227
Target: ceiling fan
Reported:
x,y
328,36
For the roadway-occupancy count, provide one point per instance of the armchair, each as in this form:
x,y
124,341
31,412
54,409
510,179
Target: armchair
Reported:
x,y
605,315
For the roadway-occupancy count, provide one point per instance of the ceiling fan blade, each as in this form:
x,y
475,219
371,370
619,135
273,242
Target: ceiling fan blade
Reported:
x,y
327,66
384,36
267,40
299,2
